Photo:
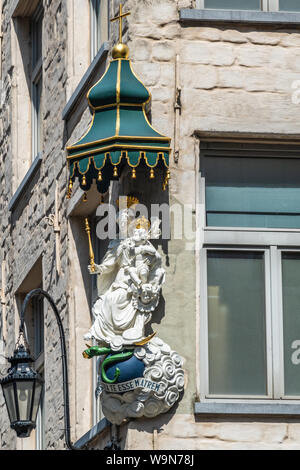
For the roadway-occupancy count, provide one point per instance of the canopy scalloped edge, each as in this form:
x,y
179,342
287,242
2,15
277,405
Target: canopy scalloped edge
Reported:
x,y
120,131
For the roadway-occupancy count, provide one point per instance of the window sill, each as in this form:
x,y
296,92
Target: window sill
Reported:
x,y
242,409
85,81
24,184
194,17
92,433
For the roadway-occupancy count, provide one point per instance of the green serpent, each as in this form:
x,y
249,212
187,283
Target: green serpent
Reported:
x,y
108,361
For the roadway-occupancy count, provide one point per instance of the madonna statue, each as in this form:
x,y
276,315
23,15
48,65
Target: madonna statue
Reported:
x,y
129,281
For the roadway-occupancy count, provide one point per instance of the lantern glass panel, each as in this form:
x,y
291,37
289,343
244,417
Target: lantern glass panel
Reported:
x,y
24,395
8,390
36,400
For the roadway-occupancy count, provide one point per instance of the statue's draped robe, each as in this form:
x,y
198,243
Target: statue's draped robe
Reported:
x,y
114,312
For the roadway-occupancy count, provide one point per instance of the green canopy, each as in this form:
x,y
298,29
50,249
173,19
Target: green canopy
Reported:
x,y
120,133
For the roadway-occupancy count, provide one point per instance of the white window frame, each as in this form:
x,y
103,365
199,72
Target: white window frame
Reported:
x,y
94,27
273,242
274,327
266,5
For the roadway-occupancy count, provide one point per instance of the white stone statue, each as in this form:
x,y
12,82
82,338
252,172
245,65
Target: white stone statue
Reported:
x,y
138,376
129,281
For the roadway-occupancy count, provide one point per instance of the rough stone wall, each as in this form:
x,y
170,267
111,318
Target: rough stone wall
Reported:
x,y
232,80
25,233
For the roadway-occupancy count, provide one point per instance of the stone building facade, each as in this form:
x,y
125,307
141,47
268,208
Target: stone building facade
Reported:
x,y
223,81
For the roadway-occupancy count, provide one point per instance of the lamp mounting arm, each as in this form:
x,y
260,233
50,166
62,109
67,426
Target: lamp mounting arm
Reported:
x,y
42,293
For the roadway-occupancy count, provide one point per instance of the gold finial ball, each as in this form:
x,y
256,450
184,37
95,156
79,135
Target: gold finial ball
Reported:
x,y
120,51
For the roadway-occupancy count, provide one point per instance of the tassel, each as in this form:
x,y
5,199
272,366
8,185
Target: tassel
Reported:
x,y
133,173
99,176
115,171
152,175
85,198
83,182
69,193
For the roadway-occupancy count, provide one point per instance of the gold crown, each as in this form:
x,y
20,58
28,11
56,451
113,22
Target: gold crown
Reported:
x,y
142,222
130,201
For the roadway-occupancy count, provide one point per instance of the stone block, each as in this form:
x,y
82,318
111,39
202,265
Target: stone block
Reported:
x,y
234,36
163,12
239,432
292,59
203,33
232,77
290,39
250,56
185,425
274,432
148,73
147,30
163,51
263,37
199,76
162,94
207,53
167,74
140,50
170,31
294,432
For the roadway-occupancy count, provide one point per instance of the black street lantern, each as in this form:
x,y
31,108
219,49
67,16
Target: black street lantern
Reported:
x,y
22,387
22,390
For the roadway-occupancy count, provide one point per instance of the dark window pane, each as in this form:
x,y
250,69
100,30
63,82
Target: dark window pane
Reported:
x,y
236,323
24,394
233,4
9,395
289,5
252,192
37,118
37,31
291,321
36,402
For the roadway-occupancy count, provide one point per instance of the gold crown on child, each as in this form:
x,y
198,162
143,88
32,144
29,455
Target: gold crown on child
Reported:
x,y
142,222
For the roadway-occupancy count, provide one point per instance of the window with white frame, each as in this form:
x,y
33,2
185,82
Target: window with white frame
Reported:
x,y
250,272
99,24
256,5
36,80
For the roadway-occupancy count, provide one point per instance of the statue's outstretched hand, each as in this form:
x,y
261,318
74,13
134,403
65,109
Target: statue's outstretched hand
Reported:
x,y
95,269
